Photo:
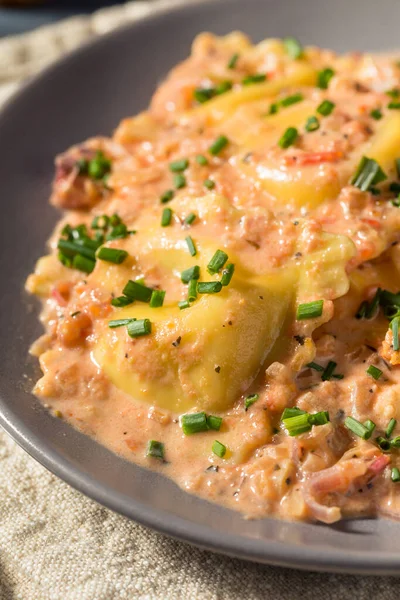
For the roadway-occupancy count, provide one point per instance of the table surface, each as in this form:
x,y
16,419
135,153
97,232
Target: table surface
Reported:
x,y
18,20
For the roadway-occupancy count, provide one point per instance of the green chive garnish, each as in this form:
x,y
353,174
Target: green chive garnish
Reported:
x,y
324,77
179,181
376,114
394,105
289,100
227,274
395,475
201,160
374,372
155,449
81,263
118,232
370,425
312,124
183,304
328,371
257,78
357,428
220,143
293,47
390,428
209,184
288,138
192,290
223,87
368,173
219,449
214,422
121,301
100,222
72,248
383,443
194,423
209,287
190,219
136,291
166,217
191,245
249,401
217,262
298,424
157,298
203,94
118,323
191,273
315,366
273,109
177,166
233,60
112,255
325,108
292,412
139,327
310,310
395,331
99,166
166,196
319,418
395,442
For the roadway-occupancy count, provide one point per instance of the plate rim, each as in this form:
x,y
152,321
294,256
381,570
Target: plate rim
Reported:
x,y
250,549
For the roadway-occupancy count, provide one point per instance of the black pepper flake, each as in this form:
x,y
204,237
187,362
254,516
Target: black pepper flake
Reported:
x,y
236,493
246,158
125,432
261,297
394,243
277,468
295,222
254,244
371,391
217,369
360,491
177,341
213,468
370,485
299,339
126,355
230,323
370,348
298,254
288,481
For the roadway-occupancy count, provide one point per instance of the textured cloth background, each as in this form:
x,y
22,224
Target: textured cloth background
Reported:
x,y
55,544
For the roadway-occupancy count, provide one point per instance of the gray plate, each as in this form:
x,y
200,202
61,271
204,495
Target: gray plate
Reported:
x,y
88,93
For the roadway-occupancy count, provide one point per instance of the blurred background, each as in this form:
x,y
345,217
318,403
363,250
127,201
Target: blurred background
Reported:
x,y
17,16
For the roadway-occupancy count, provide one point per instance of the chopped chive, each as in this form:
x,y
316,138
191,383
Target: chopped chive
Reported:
x,y
179,165
362,310
292,412
394,105
396,201
233,60
82,165
139,327
288,138
194,423
136,291
203,94
310,310
227,274
183,304
390,428
217,262
100,222
273,109
223,87
157,298
67,231
209,184
312,124
179,181
219,449
112,255
376,114
99,166
190,219
166,217
395,331
121,301
373,305
357,428
395,442
167,196
293,47
209,287
220,143
115,220
191,245
370,425
119,323
298,424
397,163
192,290
155,449
383,443
374,372
257,78
81,263
289,100
249,401
214,422
201,160
319,418
315,366
118,232
328,371
395,474
394,93
368,173
337,376
324,77
325,108
191,273
72,248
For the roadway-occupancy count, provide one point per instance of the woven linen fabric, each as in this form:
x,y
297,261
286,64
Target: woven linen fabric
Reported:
x,y
56,544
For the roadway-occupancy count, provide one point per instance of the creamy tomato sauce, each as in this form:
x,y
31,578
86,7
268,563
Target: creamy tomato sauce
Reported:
x,y
220,297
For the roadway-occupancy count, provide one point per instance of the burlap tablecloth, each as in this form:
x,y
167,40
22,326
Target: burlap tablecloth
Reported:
x,y
56,544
